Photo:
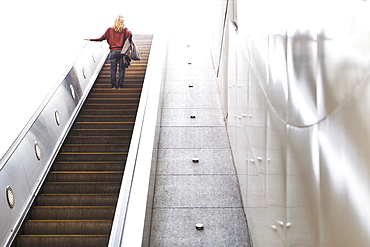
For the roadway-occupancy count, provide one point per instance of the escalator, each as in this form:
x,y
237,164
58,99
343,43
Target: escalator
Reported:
x,y
76,204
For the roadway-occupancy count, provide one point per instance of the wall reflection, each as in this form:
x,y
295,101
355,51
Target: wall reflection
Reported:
x,y
298,119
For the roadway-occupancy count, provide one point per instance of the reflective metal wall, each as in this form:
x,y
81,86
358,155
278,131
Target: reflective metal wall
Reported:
x,y
26,164
298,87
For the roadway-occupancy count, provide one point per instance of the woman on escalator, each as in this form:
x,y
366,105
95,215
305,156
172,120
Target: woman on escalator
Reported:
x,y
116,37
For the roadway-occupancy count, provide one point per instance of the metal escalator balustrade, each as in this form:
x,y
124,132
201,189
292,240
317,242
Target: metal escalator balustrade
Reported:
x,y
76,204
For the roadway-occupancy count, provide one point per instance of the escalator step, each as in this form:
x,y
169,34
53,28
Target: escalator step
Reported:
x,y
105,118
129,100
63,240
104,125
80,187
101,132
68,227
88,166
124,140
76,199
93,156
115,107
95,148
113,112
72,212
85,176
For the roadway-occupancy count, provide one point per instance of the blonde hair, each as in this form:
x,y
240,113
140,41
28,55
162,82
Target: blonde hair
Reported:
x,y
119,24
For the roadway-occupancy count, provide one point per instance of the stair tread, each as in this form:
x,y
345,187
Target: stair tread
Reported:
x,y
70,235
69,220
78,194
88,172
79,183
79,207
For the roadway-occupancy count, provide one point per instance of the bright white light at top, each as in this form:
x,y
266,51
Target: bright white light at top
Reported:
x,y
40,39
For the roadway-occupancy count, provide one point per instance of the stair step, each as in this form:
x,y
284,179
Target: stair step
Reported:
x,y
72,212
104,125
107,115
106,118
130,79
63,240
101,132
110,112
118,140
68,227
88,166
104,83
85,176
118,94
105,101
81,187
76,199
95,148
93,156
115,106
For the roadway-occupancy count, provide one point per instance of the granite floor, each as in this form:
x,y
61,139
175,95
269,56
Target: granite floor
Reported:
x,y
196,180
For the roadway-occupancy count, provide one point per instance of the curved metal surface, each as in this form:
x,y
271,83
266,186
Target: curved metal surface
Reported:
x,y
21,168
298,121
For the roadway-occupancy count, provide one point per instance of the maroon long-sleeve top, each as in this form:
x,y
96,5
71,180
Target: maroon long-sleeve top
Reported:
x,y
115,39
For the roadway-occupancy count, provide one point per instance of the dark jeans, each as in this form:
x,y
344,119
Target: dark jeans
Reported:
x,y
117,59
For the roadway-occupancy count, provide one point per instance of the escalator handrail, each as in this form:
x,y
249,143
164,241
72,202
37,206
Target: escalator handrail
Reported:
x,y
129,225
